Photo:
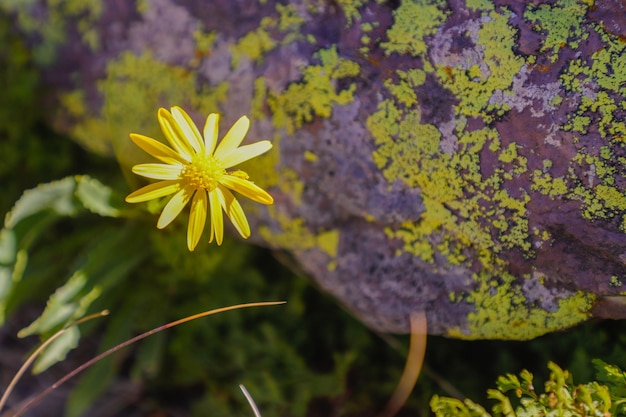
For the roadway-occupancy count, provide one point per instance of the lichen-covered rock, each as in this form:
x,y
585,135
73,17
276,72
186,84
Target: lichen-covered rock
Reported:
x,y
465,158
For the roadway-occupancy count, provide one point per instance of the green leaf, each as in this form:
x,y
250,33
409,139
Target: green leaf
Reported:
x,y
508,382
504,407
57,350
65,305
612,376
56,197
8,247
446,406
100,266
98,198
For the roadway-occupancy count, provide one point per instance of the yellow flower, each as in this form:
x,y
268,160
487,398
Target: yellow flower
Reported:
x,y
195,169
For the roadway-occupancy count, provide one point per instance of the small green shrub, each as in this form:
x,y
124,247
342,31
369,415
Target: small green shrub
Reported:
x,y
517,397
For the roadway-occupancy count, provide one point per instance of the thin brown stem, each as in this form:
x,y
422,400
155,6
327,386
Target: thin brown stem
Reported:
x,y
37,351
128,342
413,366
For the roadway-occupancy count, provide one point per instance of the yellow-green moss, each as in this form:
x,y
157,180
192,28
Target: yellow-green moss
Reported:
x,y
316,94
135,87
351,9
463,210
297,236
413,21
52,31
479,4
498,298
562,23
600,197
404,90
604,71
204,40
474,88
310,156
547,185
257,43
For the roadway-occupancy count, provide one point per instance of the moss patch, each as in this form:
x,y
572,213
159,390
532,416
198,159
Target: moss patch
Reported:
x,y
52,31
495,299
475,85
142,84
316,94
562,23
297,236
281,29
413,21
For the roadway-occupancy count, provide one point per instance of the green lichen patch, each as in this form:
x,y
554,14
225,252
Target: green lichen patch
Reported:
x,y
53,29
316,94
404,89
297,236
475,85
498,296
414,20
351,9
598,192
143,84
562,22
273,31
599,82
204,40
465,211
479,4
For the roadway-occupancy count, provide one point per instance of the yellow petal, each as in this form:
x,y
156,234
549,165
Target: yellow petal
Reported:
x,y
158,171
197,219
235,213
174,207
152,191
210,133
157,149
247,189
243,153
188,128
174,134
233,138
217,220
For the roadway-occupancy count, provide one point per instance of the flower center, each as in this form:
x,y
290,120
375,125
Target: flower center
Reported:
x,y
203,172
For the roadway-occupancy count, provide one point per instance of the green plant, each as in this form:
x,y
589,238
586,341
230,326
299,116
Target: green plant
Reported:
x,y
516,396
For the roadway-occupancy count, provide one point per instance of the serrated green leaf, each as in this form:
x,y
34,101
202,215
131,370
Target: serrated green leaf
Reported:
x,y
59,309
55,196
57,350
612,376
504,406
475,409
99,267
527,380
508,382
446,406
97,197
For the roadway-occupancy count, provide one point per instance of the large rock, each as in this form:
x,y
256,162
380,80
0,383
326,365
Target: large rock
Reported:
x,y
462,158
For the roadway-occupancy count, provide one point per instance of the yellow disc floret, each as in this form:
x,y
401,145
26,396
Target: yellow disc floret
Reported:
x,y
204,172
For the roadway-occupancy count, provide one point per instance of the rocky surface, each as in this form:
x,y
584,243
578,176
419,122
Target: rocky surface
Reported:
x,y
465,158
